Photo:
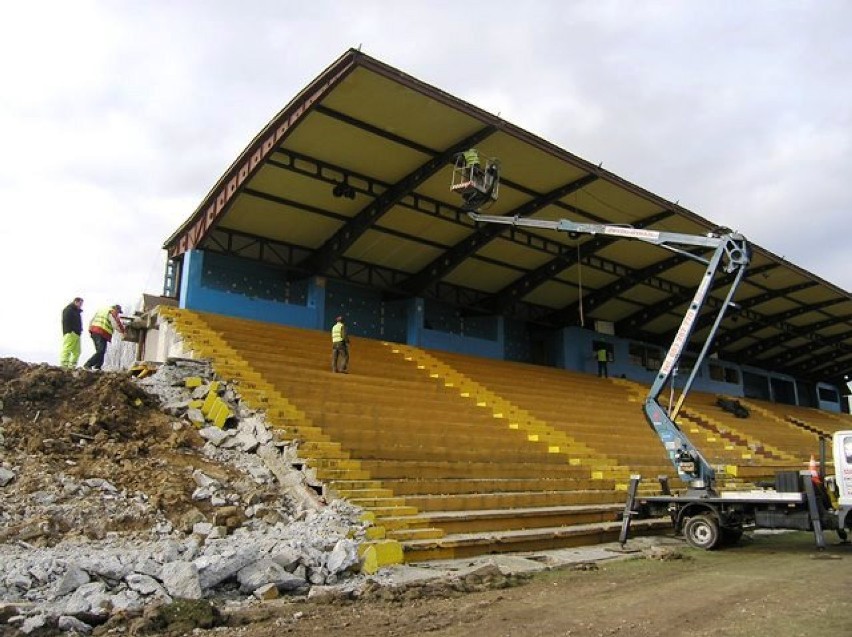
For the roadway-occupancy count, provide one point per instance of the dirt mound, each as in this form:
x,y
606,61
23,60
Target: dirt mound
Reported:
x,y
91,453
49,403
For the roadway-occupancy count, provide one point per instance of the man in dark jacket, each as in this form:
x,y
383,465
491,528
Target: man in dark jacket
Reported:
x,y
72,328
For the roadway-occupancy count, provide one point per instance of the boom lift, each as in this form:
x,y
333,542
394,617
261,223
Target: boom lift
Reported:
x,y
706,516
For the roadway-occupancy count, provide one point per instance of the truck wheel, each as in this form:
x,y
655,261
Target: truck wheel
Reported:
x,y
702,532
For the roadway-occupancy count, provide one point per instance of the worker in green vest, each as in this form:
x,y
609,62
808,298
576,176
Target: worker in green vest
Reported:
x,y
339,347
472,164
471,158
603,358
101,328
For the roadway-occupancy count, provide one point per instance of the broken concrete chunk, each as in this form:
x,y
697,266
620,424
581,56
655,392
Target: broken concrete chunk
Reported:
x,y
202,528
266,571
287,557
216,436
213,571
33,623
205,481
246,442
201,493
143,584
268,591
69,624
181,580
200,392
100,483
88,598
73,579
109,567
195,416
6,476
343,556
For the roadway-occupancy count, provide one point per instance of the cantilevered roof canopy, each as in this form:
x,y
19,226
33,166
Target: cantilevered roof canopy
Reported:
x,y
392,138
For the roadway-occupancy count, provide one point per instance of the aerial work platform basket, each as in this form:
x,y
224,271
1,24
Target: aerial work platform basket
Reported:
x,y
477,184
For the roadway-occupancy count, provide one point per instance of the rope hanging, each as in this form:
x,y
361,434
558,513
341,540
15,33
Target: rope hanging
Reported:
x,y
580,284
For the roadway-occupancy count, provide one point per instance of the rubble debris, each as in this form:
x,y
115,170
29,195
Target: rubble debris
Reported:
x,y
119,498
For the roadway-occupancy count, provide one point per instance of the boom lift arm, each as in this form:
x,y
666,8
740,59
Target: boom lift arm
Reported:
x,y
731,253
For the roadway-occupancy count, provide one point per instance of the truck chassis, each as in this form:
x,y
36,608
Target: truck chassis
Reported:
x,y
710,520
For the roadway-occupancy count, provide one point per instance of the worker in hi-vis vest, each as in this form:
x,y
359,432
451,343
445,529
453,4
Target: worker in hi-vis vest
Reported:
x,y
471,157
339,347
603,358
101,328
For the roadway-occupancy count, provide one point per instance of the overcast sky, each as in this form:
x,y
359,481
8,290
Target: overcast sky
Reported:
x,y
117,117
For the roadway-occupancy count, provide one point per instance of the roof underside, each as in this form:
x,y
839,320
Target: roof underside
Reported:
x,y
392,139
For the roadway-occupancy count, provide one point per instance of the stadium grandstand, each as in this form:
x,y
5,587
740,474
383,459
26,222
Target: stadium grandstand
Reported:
x,y
473,419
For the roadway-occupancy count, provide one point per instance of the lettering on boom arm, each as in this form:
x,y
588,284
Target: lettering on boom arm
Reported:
x,y
633,233
685,328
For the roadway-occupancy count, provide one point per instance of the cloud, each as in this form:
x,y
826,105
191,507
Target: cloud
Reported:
x,y
117,118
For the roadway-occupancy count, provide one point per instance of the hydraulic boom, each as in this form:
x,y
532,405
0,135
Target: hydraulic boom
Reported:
x,y
731,254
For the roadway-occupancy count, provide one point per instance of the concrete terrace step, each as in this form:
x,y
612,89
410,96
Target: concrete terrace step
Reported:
x,y
521,517
482,485
462,545
507,500
442,469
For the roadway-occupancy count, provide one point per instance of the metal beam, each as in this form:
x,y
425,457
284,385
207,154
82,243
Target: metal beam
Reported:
x,y
375,130
788,332
818,364
779,318
632,324
336,246
534,278
195,229
484,234
835,371
815,343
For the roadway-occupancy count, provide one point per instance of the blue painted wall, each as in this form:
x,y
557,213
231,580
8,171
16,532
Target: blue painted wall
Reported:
x,y
227,285
211,282
578,354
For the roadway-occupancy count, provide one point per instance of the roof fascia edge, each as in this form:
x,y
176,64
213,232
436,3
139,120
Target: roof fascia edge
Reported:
x,y
194,229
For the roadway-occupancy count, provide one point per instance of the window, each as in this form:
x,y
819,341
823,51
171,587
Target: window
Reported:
x,y
653,357
723,374
828,395
687,364
717,372
645,356
636,354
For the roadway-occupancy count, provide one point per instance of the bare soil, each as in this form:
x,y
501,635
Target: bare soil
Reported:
x,y
64,427
772,585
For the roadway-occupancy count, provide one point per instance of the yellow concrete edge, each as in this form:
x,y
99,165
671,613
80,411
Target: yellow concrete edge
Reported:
x,y
376,554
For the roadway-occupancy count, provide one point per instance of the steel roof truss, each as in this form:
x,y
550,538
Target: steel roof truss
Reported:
x,y
779,320
346,236
483,235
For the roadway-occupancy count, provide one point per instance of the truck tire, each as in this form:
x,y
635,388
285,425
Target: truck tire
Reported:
x,y
702,532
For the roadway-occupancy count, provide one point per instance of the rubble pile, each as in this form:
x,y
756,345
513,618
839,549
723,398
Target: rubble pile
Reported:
x,y
116,494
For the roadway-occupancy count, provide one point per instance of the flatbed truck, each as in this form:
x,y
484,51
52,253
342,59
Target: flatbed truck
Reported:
x,y
707,517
